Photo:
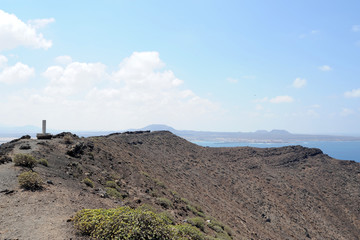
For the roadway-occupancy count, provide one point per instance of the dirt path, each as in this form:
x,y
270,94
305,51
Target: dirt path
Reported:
x,y
36,215
41,214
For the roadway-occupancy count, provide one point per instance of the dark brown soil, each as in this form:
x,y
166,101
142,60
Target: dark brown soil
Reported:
x,y
275,193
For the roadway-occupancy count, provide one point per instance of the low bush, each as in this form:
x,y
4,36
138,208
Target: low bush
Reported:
x,y
88,182
111,184
164,202
24,160
112,192
223,236
197,222
194,210
5,159
184,200
186,231
125,223
168,217
228,230
122,223
43,162
30,180
68,139
159,183
132,224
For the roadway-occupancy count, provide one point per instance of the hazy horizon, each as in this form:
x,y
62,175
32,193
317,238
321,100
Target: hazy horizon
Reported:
x,y
224,66
30,129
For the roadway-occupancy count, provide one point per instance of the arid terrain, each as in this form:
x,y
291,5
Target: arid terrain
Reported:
x,y
275,193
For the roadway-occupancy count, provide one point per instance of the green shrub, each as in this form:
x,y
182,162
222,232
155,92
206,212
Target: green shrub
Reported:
x,y
186,231
228,230
164,202
88,182
194,210
125,223
159,183
184,200
147,207
25,160
111,184
43,162
223,236
197,222
68,139
168,217
122,223
112,192
30,180
215,225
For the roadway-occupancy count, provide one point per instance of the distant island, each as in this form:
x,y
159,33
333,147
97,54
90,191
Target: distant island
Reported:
x,y
260,136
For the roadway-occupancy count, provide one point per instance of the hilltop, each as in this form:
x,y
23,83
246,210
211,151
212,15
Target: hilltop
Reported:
x,y
272,193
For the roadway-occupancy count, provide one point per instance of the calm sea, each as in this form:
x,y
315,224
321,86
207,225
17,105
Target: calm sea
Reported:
x,y
5,139
338,150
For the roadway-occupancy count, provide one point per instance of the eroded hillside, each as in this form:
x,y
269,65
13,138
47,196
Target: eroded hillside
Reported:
x,y
276,193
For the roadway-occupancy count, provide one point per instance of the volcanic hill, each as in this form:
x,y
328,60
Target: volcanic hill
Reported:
x,y
272,193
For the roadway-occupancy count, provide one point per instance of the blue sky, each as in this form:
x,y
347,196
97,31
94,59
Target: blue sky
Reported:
x,y
201,65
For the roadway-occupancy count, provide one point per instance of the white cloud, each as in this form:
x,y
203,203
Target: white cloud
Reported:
x,y
140,92
74,78
325,68
259,107
315,106
282,99
346,112
355,28
40,23
3,61
355,93
249,77
63,60
312,113
14,33
16,74
232,80
299,83
277,99
265,99
314,32
140,70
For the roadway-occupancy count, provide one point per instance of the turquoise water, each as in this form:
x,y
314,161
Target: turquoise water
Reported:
x,y
338,150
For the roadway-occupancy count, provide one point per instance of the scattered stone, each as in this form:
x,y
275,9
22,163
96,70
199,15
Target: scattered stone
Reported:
x,y
18,139
63,134
49,182
7,191
25,147
5,159
77,149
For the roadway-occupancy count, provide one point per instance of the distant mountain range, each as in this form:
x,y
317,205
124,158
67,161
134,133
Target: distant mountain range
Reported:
x,y
263,136
260,136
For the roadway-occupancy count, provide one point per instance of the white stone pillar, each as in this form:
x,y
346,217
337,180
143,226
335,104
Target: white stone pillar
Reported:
x,y
43,126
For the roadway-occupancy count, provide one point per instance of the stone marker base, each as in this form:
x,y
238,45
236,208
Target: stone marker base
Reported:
x,y
44,136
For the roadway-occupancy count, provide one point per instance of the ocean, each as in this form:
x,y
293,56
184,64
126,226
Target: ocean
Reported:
x,y
339,150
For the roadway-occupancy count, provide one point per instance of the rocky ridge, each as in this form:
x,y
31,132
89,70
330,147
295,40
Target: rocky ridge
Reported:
x,y
275,193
